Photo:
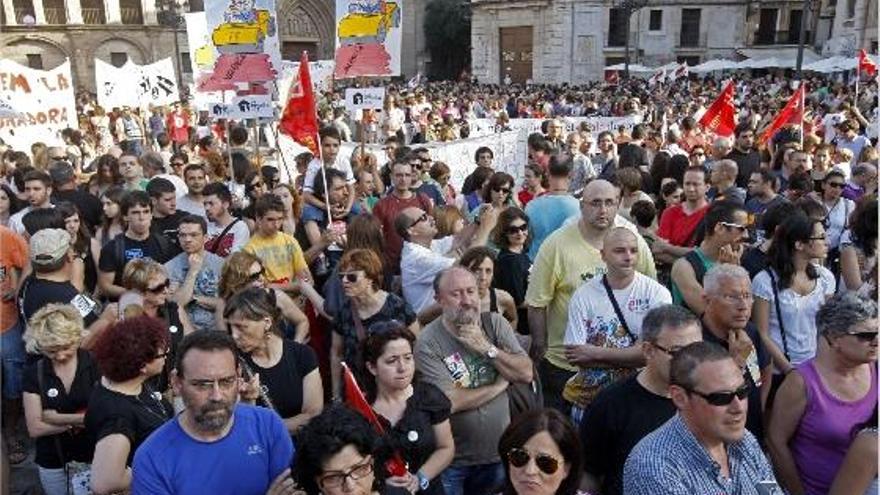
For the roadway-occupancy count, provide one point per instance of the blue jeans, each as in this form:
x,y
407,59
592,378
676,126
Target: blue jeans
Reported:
x,y
481,479
13,357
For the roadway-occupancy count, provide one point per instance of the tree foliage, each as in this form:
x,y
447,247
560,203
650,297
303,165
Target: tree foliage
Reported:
x,y
448,37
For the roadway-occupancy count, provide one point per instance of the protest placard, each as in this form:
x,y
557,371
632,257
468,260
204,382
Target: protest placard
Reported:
x,y
44,100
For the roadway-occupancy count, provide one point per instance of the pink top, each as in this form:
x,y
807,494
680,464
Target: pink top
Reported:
x,y
826,429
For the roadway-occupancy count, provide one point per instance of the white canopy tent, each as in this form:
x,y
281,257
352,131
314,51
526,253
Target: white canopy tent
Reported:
x,y
713,65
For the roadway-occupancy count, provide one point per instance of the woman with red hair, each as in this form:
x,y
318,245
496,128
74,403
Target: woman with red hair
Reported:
x,y
123,410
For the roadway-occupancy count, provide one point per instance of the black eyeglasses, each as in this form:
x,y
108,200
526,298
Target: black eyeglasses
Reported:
x,y
422,218
351,277
836,185
513,229
160,288
723,398
546,463
864,336
504,190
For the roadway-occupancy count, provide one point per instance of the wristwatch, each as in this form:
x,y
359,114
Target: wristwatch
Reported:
x,y
492,352
424,482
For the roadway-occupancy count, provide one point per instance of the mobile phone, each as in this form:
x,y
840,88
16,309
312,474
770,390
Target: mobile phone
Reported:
x,y
768,487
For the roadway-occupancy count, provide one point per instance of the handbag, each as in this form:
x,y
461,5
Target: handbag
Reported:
x,y
79,474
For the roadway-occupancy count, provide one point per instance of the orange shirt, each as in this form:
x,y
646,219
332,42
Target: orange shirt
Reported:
x,y
13,256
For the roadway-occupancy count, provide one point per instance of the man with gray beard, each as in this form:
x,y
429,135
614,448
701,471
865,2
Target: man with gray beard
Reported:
x,y
472,358
216,445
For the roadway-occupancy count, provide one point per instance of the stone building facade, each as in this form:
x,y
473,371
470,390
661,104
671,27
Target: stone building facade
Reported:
x,y
43,33
556,41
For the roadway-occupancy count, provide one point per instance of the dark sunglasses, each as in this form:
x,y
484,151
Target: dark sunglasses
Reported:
x,y
513,229
423,218
864,336
160,288
836,185
724,398
504,190
351,277
253,277
546,463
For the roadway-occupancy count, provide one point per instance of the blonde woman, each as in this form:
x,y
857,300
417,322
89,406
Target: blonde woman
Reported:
x,y
56,392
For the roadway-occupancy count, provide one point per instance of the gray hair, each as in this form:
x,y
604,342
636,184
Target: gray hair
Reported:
x,y
667,316
721,143
685,361
728,167
863,168
715,277
153,161
842,312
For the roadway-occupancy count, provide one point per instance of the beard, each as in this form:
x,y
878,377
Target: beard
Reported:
x,y
213,416
463,315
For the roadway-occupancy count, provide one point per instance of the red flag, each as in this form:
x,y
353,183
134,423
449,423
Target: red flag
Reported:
x,y
719,117
355,399
612,77
300,118
792,113
867,65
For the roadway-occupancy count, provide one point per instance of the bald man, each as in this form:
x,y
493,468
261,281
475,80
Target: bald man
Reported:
x,y
723,179
568,258
605,320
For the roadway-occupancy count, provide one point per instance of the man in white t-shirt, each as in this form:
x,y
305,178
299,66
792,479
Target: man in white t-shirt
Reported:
x,y
226,234
330,142
605,321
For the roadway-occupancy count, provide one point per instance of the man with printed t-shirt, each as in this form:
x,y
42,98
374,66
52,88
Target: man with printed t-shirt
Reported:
x,y
605,321
247,448
51,255
136,242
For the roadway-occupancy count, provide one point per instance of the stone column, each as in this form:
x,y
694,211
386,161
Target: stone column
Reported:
x,y
39,13
9,10
74,12
112,12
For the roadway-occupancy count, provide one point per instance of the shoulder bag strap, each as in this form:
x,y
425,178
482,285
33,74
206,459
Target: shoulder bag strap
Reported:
x,y
248,373
41,382
778,312
617,308
216,244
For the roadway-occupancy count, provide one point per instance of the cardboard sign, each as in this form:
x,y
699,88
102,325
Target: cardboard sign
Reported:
x,y
364,98
244,107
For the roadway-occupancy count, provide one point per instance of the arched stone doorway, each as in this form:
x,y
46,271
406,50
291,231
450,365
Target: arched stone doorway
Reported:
x,y
306,25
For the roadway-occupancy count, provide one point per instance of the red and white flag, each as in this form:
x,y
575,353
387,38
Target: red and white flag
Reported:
x,y
792,113
657,77
720,117
866,65
300,117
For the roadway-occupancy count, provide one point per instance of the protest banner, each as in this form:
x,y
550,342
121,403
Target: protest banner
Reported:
x,y
44,100
364,99
134,85
484,127
368,38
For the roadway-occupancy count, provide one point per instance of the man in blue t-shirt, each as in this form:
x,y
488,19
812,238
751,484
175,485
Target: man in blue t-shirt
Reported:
x,y
214,445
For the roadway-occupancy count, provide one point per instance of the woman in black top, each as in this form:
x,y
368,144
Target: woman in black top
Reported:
x,y
123,410
56,392
512,265
288,371
414,413
84,274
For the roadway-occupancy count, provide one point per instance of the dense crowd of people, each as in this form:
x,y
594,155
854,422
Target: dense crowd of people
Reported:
x,y
647,310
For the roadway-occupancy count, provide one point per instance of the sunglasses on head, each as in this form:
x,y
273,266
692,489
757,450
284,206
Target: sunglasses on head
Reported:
x,y
513,229
734,226
161,287
546,463
723,398
864,336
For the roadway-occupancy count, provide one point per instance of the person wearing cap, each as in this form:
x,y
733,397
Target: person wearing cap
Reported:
x,y
51,255
64,188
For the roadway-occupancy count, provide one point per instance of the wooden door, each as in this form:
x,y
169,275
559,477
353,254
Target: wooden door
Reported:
x,y
516,53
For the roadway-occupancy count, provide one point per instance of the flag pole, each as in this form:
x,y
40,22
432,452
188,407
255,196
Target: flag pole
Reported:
x,y
321,157
858,77
803,90
277,136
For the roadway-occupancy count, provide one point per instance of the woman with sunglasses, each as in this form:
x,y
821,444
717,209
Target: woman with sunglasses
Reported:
x,y
123,409
364,305
243,270
414,413
826,397
334,455
542,454
287,370
498,192
512,265
149,283
837,212
789,293
56,392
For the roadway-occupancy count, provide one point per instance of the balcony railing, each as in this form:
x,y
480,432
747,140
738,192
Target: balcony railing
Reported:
x,y
55,15
131,15
93,16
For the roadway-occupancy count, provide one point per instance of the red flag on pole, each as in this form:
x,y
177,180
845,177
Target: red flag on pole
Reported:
x,y
792,113
300,117
719,117
355,399
867,65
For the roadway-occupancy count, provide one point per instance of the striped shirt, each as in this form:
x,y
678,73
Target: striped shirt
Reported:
x,y
670,461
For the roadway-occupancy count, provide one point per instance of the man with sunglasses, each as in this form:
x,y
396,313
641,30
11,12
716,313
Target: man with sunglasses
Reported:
x,y
628,410
705,448
726,231
727,291
420,159
247,447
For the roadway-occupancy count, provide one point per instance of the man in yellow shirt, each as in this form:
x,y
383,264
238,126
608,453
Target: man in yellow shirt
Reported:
x,y
281,255
567,258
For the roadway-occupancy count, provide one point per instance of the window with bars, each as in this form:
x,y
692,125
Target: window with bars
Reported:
x,y
616,27
690,27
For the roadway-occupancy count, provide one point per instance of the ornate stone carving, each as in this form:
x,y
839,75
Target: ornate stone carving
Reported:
x,y
297,23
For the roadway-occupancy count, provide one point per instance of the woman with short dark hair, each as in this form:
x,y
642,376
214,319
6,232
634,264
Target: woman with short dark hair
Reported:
x,y
541,454
512,236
